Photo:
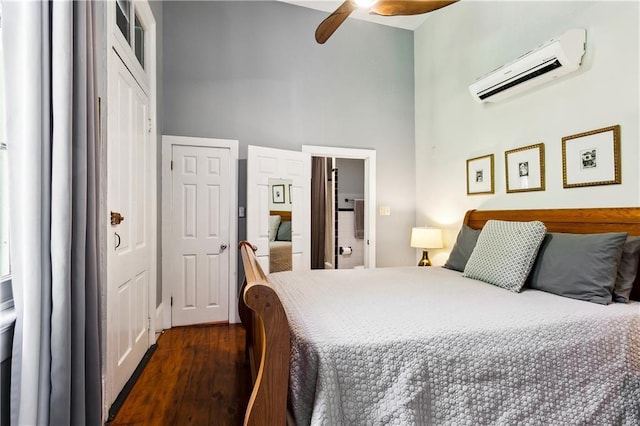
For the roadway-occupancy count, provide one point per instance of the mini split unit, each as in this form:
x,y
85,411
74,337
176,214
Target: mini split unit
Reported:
x,y
558,56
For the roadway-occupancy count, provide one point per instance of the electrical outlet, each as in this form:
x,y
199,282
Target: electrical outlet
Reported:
x,y
385,211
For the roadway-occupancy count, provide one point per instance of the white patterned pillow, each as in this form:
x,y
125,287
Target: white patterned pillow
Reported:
x,y
505,253
274,224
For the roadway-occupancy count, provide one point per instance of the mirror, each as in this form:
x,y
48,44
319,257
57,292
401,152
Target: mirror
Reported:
x,y
280,211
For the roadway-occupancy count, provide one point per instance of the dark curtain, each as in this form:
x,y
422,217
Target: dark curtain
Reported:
x,y
318,205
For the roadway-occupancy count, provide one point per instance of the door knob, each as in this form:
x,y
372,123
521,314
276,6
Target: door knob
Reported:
x,y
223,247
116,218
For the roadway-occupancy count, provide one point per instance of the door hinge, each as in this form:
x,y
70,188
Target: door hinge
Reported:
x,y
171,164
148,323
150,126
171,300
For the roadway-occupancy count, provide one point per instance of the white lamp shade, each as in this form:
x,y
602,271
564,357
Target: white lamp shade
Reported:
x,y
426,238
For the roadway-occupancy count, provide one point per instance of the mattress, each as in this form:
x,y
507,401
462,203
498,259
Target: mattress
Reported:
x,y
414,346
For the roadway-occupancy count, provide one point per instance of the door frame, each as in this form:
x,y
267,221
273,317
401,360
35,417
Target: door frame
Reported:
x,y
117,50
369,157
168,141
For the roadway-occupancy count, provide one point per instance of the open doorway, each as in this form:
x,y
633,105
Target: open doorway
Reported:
x,y
342,207
337,213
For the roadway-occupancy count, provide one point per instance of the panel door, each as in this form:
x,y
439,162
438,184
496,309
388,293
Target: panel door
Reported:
x,y
200,235
263,164
129,242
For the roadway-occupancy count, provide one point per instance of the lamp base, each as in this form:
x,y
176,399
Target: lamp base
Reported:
x,y
425,259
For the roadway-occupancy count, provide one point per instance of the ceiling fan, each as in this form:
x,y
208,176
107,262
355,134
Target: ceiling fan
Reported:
x,y
376,7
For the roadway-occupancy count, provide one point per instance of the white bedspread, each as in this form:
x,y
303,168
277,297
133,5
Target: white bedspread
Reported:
x,y
418,346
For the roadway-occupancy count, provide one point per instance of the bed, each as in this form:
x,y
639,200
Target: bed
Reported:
x,y
280,249
431,346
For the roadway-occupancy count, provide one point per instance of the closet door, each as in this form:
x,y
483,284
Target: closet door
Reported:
x,y
263,165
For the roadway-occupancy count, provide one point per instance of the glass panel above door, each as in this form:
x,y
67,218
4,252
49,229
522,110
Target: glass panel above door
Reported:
x,y
123,8
139,41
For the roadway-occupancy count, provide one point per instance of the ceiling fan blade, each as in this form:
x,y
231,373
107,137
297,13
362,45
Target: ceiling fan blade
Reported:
x,y
329,25
408,7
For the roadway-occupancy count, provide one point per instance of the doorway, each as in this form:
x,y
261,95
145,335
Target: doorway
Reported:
x,y
353,162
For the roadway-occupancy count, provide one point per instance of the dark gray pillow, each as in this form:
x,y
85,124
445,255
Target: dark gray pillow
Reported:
x,y
627,270
465,243
580,266
284,231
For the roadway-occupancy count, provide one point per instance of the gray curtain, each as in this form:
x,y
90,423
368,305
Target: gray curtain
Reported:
x,y
53,173
318,190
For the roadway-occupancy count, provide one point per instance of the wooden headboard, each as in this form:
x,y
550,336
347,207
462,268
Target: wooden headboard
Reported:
x,y
576,221
285,216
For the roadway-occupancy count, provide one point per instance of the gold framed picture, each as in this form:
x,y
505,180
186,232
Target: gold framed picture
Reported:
x,y
480,175
592,158
524,169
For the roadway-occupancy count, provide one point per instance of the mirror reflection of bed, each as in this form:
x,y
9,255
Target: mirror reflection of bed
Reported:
x,y
280,258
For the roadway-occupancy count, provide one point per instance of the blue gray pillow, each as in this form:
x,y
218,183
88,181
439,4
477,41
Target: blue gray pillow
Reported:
x,y
627,270
579,266
462,249
284,231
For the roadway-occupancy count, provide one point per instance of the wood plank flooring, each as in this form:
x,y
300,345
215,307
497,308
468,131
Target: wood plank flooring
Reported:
x,y
197,376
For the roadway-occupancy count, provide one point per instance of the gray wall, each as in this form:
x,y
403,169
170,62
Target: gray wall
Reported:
x,y
252,71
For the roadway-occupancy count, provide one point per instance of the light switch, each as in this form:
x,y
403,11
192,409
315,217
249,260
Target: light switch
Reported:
x,y
240,211
385,211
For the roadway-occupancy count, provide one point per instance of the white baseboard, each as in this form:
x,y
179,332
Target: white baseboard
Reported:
x,y
160,321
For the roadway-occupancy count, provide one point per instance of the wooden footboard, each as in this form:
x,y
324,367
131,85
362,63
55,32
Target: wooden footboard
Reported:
x,y
267,344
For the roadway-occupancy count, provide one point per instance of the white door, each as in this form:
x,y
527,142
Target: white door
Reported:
x,y
129,241
263,164
200,235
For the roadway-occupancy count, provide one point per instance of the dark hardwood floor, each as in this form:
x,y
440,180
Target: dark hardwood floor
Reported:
x,y
197,376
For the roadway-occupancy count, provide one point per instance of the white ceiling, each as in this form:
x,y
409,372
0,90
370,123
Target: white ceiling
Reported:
x,y
406,22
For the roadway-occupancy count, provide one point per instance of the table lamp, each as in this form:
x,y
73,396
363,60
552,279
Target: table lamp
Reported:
x,y
426,238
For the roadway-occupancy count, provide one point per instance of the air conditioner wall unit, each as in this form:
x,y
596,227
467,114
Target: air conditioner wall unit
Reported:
x,y
552,59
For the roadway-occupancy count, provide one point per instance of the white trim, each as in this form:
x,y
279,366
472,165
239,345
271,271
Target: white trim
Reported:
x,y
167,142
151,58
7,322
159,313
369,157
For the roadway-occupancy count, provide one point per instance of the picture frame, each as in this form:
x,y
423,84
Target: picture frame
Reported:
x,y
277,194
591,158
524,169
480,175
